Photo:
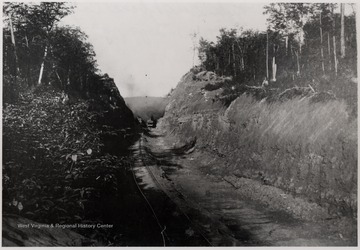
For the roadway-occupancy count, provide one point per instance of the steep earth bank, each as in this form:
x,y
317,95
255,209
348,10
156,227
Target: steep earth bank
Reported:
x,y
61,161
302,142
231,211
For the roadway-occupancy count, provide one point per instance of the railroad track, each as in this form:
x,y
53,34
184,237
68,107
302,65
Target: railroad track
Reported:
x,y
162,228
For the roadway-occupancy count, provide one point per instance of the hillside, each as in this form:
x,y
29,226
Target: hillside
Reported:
x,y
256,146
66,131
147,106
298,140
52,153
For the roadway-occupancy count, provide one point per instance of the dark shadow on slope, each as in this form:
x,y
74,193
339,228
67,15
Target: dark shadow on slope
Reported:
x,y
185,149
224,234
165,159
160,159
148,133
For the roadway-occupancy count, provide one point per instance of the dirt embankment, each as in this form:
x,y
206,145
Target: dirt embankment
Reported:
x,y
305,144
59,164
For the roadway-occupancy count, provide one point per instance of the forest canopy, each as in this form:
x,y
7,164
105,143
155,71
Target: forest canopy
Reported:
x,y
37,50
304,44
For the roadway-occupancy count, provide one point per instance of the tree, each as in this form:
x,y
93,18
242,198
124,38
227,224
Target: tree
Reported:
x,y
274,65
267,55
72,59
334,41
194,41
241,56
321,20
14,49
294,43
33,23
24,32
289,19
226,51
47,15
207,53
321,46
342,39
234,58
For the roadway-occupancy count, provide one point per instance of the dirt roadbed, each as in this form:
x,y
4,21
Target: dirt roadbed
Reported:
x,y
231,210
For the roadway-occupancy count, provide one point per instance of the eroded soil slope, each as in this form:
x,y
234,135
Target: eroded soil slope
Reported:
x,y
236,212
296,143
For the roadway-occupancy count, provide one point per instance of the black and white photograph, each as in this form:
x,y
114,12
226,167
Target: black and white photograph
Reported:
x,y
179,124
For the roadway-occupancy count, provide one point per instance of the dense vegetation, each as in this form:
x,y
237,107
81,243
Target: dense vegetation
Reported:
x,y
64,123
38,51
304,44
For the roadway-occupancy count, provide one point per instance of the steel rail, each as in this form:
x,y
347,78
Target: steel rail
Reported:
x,y
162,189
162,232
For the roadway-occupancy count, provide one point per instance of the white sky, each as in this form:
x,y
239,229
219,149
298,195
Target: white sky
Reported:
x,y
147,47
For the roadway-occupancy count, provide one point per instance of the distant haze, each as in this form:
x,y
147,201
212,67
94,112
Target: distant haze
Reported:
x,y
146,107
147,47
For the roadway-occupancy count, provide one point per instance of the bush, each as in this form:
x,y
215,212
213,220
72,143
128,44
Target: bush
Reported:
x,y
56,167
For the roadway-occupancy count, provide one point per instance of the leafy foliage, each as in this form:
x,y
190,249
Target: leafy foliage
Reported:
x,y
55,165
66,57
60,137
32,25
291,44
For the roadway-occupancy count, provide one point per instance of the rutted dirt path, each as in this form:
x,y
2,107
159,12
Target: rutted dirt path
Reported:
x,y
221,210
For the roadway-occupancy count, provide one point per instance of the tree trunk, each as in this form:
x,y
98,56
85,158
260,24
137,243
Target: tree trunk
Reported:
x,y
42,65
329,51
321,46
57,75
216,64
68,77
16,69
242,64
28,62
234,64
334,42
335,58
274,69
273,65
342,41
267,55
13,96
229,61
298,63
